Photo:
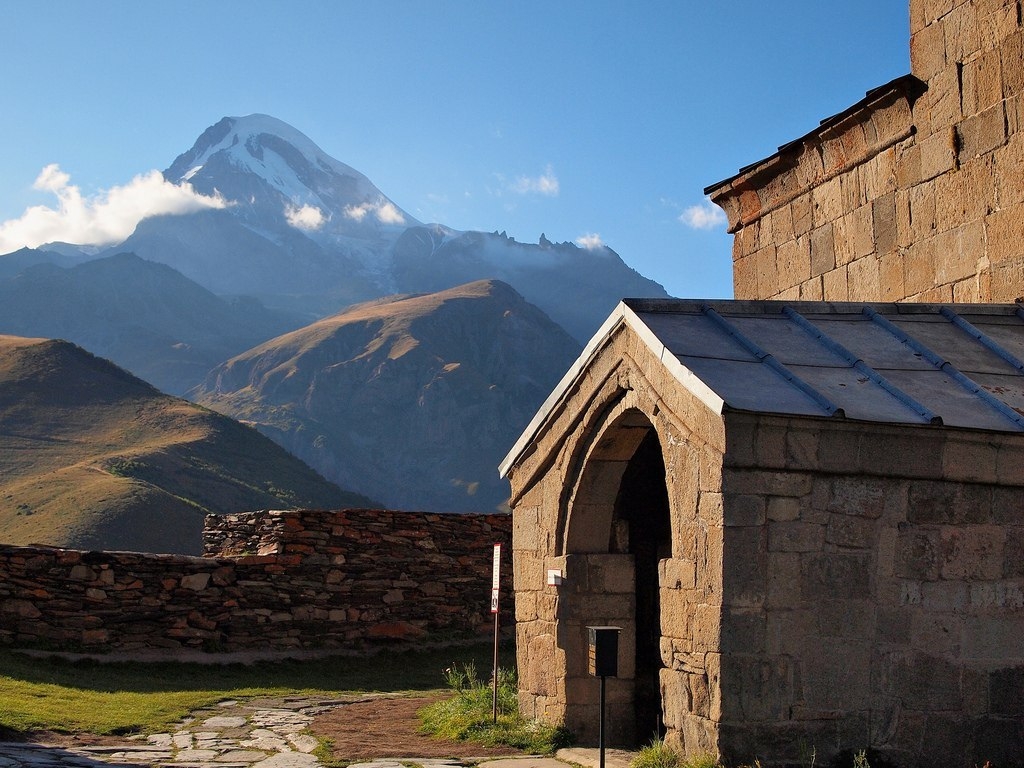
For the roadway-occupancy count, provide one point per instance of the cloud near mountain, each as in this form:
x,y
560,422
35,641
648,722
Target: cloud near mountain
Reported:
x,y
101,219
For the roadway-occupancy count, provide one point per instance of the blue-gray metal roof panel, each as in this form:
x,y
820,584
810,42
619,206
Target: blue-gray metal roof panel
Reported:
x,y
958,365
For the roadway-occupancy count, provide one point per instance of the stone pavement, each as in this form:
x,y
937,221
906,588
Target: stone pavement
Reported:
x,y
267,733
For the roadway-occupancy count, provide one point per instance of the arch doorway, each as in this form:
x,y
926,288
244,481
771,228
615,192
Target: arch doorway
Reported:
x,y
617,531
641,527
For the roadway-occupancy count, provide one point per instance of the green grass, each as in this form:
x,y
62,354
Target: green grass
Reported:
x,y
469,714
122,698
658,754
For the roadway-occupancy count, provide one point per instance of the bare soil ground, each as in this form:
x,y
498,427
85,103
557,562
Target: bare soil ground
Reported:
x,y
387,727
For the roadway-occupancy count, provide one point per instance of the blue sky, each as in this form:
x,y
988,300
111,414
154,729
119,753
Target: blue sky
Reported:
x,y
578,119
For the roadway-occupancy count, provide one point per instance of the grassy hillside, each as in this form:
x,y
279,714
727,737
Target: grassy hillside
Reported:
x,y
92,457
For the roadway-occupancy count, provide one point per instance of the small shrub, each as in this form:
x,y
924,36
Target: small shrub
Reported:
x,y
468,714
658,754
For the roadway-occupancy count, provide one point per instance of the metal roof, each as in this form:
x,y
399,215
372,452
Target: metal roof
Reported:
x,y
959,365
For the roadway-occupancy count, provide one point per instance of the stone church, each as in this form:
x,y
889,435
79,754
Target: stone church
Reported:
x,y
805,507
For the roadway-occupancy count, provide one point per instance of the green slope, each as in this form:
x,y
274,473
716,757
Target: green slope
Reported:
x,y
92,457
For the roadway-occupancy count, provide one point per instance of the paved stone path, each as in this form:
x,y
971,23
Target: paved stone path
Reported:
x,y
266,733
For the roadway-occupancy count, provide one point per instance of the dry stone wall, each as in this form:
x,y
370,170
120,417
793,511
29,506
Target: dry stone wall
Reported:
x,y
269,581
915,193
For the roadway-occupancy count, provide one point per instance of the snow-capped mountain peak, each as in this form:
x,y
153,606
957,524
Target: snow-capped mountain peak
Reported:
x,y
274,174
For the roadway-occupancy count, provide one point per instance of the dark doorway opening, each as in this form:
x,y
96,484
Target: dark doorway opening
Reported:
x,y
642,528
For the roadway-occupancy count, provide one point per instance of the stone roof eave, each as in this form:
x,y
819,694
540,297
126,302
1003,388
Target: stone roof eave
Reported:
x,y
621,316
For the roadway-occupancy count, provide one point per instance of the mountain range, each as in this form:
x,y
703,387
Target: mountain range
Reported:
x,y
411,400
398,358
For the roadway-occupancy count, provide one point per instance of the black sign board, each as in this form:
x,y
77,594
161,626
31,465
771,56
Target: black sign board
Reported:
x,y
603,651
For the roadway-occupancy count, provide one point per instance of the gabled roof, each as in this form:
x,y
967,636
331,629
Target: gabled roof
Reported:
x,y
959,365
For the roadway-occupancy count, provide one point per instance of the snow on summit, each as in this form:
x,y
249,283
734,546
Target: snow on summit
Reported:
x,y
268,166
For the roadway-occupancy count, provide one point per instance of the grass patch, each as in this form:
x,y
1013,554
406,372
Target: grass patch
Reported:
x,y
658,754
468,714
121,698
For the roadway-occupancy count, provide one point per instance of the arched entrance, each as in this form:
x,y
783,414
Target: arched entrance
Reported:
x,y
642,518
617,529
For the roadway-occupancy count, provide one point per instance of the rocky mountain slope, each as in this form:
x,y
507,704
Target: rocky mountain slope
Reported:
x,y
92,457
412,400
144,316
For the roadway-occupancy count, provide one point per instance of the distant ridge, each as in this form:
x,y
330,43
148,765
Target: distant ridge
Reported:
x,y
412,399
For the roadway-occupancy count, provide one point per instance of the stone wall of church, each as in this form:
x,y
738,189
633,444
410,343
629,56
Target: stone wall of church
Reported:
x,y
563,494
873,592
916,193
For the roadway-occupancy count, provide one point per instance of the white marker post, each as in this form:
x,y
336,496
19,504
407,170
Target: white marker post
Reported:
x,y
495,591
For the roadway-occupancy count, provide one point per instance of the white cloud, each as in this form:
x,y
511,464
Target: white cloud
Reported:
x,y
591,241
704,216
545,184
387,213
308,217
384,211
105,218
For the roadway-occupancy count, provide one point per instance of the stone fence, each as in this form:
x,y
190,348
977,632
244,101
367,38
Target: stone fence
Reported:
x,y
271,581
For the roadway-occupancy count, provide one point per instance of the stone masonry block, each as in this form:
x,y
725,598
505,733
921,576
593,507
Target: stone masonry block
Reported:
x,y
782,508
961,31
793,262
853,619
837,682
836,575
919,554
922,212
1012,59
967,291
998,637
890,277
982,132
782,225
982,83
846,531
863,277
823,255
860,497
811,290
883,222
938,154
835,286
795,537
949,503
844,238
795,484
927,51
1009,179
972,553
677,573
783,580
766,265
745,510
826,200
961,249
915,452
1006,280
801,214
971,460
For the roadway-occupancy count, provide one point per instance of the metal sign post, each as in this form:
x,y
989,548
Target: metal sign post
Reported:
x,y
495,591
602,662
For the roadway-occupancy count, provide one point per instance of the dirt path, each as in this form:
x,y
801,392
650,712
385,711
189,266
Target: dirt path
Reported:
x,y
388,727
